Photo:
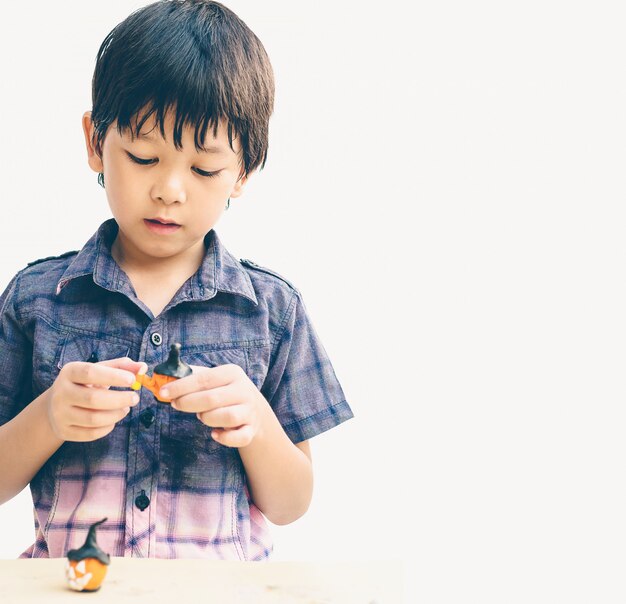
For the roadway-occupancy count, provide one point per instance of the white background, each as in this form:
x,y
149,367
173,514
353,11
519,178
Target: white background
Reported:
x,y
445,187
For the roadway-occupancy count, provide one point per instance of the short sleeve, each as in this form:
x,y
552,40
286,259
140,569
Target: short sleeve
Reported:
x,y
15,357
301,385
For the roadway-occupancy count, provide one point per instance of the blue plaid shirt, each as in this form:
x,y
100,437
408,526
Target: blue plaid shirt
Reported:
x,y
167,488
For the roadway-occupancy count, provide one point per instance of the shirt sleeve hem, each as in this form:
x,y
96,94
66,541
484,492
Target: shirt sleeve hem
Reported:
x,y
305,428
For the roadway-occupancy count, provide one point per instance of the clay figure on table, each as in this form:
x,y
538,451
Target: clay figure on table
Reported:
x,y
87,566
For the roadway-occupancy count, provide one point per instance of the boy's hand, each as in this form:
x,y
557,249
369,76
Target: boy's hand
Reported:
x,y
80,405
223,398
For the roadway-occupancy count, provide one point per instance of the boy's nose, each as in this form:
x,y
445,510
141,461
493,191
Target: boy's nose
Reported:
x,y
169,189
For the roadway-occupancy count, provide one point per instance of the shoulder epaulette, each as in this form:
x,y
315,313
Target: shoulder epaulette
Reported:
x,y
52,258
257,267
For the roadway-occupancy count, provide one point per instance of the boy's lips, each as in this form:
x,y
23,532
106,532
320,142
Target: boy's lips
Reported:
x,y
162,220
161,228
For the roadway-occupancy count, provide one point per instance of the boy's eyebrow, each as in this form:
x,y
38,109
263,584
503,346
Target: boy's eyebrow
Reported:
x,y
210,149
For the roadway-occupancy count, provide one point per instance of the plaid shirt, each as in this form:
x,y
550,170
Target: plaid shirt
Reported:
x,y
167,488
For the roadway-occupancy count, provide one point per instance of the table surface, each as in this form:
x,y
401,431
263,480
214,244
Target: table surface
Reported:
x,y
189,581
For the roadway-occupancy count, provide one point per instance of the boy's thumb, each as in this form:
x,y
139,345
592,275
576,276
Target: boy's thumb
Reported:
x,y
128,364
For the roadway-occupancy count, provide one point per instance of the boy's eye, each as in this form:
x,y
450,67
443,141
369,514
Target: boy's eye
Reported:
x,y
148,162
205,173
138,160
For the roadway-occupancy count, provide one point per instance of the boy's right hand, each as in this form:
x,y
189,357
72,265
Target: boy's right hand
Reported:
x,y
80,405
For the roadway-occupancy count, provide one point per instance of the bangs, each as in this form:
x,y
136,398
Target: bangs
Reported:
x,y
132,120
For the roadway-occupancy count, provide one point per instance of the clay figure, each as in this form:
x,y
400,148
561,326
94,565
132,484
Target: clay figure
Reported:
x,y
86,567
172,369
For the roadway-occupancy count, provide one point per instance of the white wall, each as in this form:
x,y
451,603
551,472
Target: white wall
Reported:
x,y
445,186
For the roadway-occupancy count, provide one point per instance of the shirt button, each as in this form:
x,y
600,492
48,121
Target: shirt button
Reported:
x,y
147,418
142,501
156,339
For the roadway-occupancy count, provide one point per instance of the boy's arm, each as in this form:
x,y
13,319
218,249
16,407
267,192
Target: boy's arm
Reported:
x,y
279,473
305,397
26,443
26,439
79,406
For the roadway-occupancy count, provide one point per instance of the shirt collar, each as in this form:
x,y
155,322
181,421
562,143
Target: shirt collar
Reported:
x,y
219,271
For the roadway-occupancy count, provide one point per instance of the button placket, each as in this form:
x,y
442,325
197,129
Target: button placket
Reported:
x,y
143,448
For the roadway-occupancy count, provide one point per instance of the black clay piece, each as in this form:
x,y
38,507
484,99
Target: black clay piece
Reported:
x,y
174,367
90,549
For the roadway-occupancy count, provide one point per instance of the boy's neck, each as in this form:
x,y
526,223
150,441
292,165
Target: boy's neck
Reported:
x,y
137,266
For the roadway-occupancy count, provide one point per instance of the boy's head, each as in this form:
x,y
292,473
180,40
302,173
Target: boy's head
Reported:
x,y
182,96
194,60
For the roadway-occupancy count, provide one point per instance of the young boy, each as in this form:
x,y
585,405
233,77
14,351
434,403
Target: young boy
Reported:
x,y
182,96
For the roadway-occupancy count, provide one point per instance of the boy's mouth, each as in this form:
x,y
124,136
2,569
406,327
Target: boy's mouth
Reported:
x,y
162,221
161,228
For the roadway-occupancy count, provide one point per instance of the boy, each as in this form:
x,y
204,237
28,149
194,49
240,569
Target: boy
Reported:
x,y
182,95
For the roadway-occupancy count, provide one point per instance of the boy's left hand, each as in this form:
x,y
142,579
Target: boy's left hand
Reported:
x,y
223,398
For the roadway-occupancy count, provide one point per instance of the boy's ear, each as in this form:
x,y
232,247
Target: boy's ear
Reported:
x,y
239,185
94,160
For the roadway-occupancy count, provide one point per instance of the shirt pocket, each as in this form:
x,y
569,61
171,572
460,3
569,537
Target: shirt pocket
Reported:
x,y
57,348
89,348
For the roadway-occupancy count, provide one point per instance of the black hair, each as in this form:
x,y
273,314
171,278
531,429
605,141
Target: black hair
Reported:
x,y
194,57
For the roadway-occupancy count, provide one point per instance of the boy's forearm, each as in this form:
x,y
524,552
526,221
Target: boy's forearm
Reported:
x,y
26,443
279,474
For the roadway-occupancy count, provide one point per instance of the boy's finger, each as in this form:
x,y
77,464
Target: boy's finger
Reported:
x,y
99,374
101,399
202,378
234,416
89,434
83,418
238,437
127,364
206,400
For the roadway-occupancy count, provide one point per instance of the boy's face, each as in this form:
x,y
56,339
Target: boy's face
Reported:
x,y
148,179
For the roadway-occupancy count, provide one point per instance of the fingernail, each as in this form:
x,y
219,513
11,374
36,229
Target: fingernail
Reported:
x,y
135,398
165,393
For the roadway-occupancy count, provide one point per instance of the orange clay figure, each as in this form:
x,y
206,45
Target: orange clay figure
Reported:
x,y
86,567
172,369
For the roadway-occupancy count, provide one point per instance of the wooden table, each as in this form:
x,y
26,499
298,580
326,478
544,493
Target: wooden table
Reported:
x,y
42,581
